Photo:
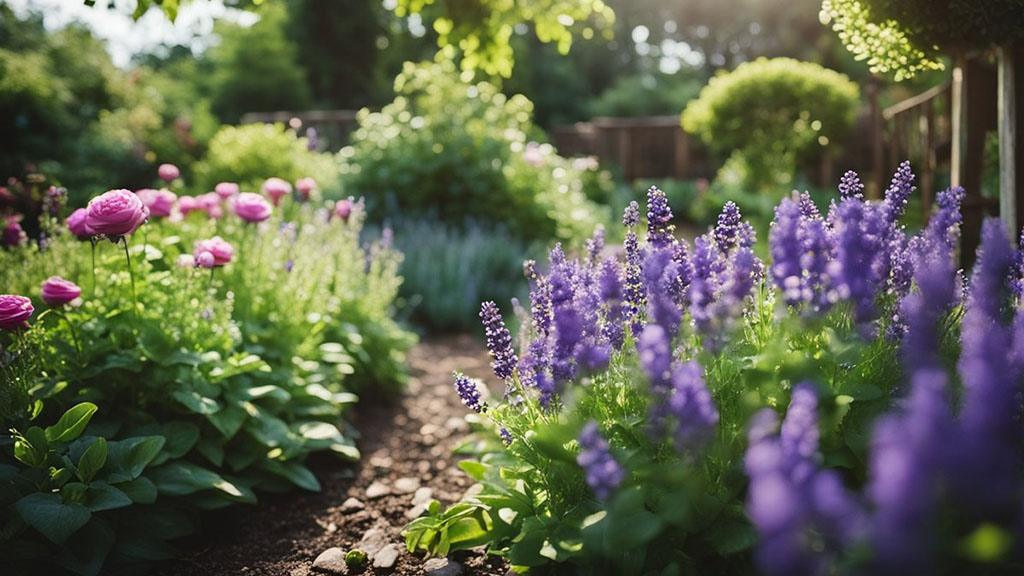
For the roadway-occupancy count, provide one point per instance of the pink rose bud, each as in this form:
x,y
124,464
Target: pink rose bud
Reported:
x,y
160,202
206,260
76,223
58,291
305,186
252,207
13,235
168,172
186,261
276,188
226,189
187,205
116,213
210,203
14,311
221,251
343,209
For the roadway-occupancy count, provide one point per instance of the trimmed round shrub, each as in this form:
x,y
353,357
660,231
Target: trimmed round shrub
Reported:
x,y
454,149
770,115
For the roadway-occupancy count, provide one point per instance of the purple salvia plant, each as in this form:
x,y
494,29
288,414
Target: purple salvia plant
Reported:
x,y
661,273
610,281
635,299
499,341
691,406
898,193
850,186
784,241
729,227
468,392
859,240
807,206
603,474
595,245
631,215
659,219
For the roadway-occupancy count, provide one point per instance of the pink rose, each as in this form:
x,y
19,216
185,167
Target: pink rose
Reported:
x,y
220,249
13,235
305,186
160,202
14,311
116,213
187,205
58,291
168,172
252,207
210,203
343,209
226,189
276,188
206,260
77,225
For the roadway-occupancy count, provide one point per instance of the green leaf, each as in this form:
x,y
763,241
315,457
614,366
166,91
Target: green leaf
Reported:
x,y
86,553
128,458
92,460
72,423
32,448
140,491
474,469
228,421
51,517
295,473
102,496
181,437
195,402
184,478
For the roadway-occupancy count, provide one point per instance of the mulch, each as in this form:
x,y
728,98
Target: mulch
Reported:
x,y
404,443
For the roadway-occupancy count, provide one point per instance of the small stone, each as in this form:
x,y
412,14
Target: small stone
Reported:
x,y
377,490
442,567
422,495
351,505
406,485
331,561
373,540
386,557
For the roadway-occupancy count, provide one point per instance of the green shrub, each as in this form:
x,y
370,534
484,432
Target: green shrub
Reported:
x,y
770,115
251,153
448,269
455,150
215,386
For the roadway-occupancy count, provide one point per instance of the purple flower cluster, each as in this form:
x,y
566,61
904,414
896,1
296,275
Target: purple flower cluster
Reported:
x,y
850,186
801,249
499,341
468,392
899,191
659,219
804,514
602,472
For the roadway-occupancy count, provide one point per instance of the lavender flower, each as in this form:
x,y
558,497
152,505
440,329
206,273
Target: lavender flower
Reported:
x,y
506,436
784,240
899,192
468,392
855,275
594,246
631,215
499,341
692,406
850,186
635,300
659,218
728,230
602,472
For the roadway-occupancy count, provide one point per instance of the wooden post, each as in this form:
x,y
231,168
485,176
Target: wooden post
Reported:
x,y
877,171
927,122
959,121
1007,115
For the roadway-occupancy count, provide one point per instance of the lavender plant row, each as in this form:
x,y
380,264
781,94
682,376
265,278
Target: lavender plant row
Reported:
x,y
639,429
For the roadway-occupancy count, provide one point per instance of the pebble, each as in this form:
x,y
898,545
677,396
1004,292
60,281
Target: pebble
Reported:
x,y
406,485
377,490
442,567
386,557
373,541
331,561
351,505
422,495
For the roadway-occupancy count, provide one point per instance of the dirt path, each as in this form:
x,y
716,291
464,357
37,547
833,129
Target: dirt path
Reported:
x,y
407,450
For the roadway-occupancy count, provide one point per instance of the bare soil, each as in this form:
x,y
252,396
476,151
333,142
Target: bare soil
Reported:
x,y
410,438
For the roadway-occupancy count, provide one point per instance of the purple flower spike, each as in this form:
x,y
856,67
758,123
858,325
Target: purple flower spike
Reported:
x,y
631,215
899,192
850,186
603,473
692,406
659,218
499,341
727,232
468,392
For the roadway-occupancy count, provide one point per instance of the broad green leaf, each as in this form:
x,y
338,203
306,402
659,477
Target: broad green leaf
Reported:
x,y
102,496
195,402
180,436
474,469
92,460
51,517
32,449
126,459
184,478
140,491
86,553
295,473
72,423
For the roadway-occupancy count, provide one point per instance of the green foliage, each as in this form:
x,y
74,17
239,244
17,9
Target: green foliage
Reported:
x,y
448,270
251,153
456,150
647,95
217,386
769,115
905,37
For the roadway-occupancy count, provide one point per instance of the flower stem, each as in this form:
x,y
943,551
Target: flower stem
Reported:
x,y
131,275
74,334
92,240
